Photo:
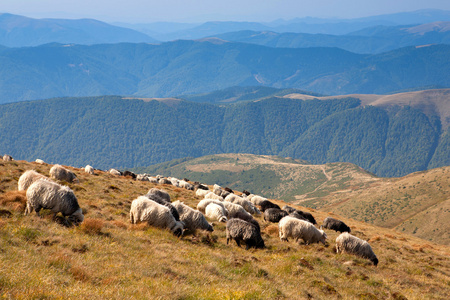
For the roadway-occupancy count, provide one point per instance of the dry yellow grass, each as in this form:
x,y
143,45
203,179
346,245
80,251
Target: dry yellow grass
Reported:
x,y
108,258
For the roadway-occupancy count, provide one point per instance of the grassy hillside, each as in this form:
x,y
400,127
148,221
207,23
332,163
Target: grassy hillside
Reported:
x,y
417,203
107,257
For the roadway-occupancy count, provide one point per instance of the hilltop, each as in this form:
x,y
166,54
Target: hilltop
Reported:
x,y
417,203
107,257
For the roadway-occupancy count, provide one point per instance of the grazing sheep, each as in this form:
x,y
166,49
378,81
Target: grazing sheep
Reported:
x,y
297,215
89,169
336,225
306,215
50,195
27,178
163,202
7,157
164,181
39,161
211,195
266,204
129,174
227,189
160,194
58,172
145,210
193,219
142,177
174,181
217,212
245,192
274,215
256,200
186,185
240,230
201,206
153,179
247,217
299,229
347,243
115,172
247,205
198,185
233,209
201,193
219,191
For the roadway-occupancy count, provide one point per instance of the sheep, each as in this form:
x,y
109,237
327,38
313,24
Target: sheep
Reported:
x,y
306,215
274,215
115,172
234,208
240,230
201,192
129,174
58,172
336,225
198,185
299,229
50,195
266,204
297,215
159,200
219,191
227,189
245,192
145,210
89,169
247,217
186,185
39,161
256,200
201,206
347,243
217,212
174,181
7,157
211,195
247,205
193,219
27,178
163,180
142,177
153,179
160,194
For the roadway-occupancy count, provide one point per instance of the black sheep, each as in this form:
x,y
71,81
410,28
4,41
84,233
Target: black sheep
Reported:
x,y
240,230
274,215
336,225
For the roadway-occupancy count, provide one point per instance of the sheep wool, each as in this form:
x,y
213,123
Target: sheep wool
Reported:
x,y
58,172
50,195
27,178
299,229
145,210
240,230
193,219
216,212
347,243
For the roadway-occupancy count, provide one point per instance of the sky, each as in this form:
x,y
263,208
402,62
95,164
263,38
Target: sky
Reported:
x,y
147,11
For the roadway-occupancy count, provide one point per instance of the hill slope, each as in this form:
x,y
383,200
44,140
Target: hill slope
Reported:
x,y
417,203
188,67
107,257
116,132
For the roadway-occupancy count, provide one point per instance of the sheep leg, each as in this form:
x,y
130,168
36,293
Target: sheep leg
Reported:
x,y
238,242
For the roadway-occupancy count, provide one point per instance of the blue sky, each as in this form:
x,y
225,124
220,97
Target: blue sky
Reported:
x,y
138,11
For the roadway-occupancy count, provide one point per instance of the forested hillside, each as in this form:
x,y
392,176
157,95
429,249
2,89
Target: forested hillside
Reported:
x,y
188,67
115,132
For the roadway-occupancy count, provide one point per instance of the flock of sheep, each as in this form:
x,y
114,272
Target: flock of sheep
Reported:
x,y
222,205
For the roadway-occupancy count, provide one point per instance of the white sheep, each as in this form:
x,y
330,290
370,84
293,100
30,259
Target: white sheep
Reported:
x,y
145,210
89,169
7,157
153,179
247,205
193,219
186,185
115,172
300,229
255,199
142,177
347,243
201,206
233,209
211,195
216,212
174,181
58,198
27,178
39,161
58,172
158,193
201,193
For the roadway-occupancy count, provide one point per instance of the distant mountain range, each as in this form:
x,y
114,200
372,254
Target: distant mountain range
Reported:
x,y
370,40
19,31
387,136
190,67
